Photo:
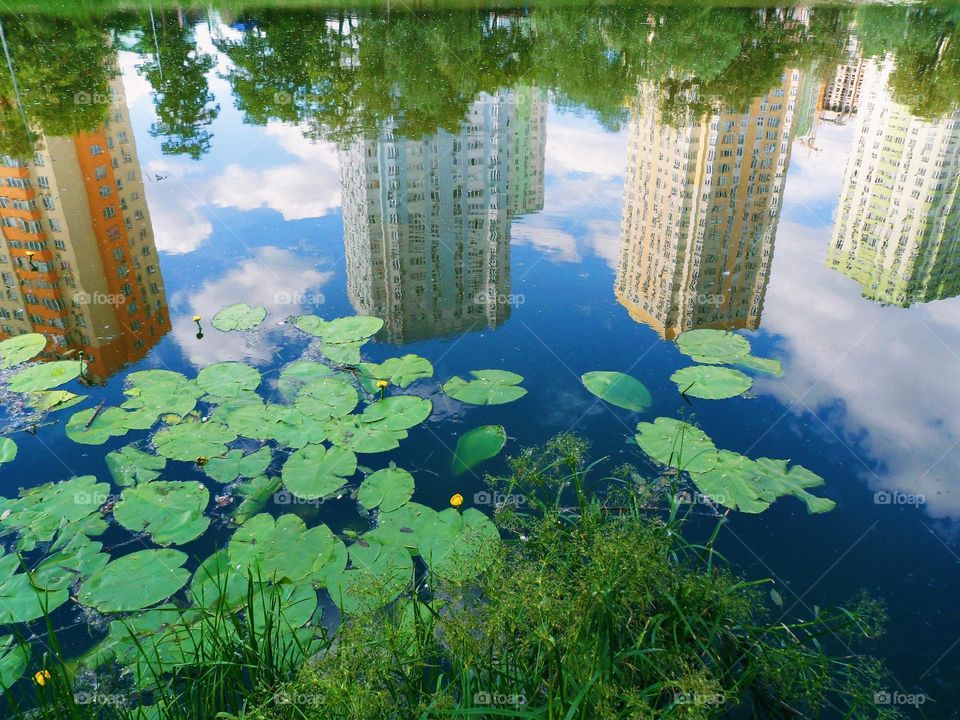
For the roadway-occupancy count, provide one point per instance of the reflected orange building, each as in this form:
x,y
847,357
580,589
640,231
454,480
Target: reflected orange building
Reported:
x,y
79,262
700,211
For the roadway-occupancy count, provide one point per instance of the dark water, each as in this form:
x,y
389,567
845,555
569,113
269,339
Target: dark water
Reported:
x,y
551,192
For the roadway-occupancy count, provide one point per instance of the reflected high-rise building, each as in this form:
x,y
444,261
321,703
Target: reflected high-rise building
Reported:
x,y
427,220
79,262
700,211
843,91
897,230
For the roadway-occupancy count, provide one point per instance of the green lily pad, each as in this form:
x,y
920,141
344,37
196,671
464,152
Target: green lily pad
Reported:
x,y
41,511
733,483
477,445
135,581
52,400
342,353
459,546
228,379
490,387
300,373
250,417
153,393
327,398
8,450
14,657
170,511
677,444
710,382
239,317
235,464
404,527
255,492
400,371
386,489
45,375
21,348
618,389
398,412
356,328
314,471
360,437
279,549
776,479
713,347
130,466
377,576
93,427
295,430
77,559
22,600
764,365
216,585
191,440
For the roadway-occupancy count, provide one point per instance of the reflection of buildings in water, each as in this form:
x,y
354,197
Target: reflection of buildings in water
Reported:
x,y
79,263
897,230
844,88
700,211
427,222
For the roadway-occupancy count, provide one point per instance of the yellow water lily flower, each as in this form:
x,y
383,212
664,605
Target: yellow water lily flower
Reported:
x,y
41,677
196,318
383,384
457,500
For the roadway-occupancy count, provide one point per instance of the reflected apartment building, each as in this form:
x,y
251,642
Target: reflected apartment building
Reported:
x,y
427,221
897,229
700,211
79,262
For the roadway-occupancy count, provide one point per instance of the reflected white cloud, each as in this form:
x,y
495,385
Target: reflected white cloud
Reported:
x,y
273,277
174,194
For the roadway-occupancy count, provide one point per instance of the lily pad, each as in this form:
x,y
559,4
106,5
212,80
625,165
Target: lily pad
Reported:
x,y
618,389
239,317
386,489
458,546
170,511
300,373
398,412
14,657
77,559
8,450
235,464
41,511
255,492
45,375
400,371
327,398
135,581
356,328
342,353
191,440
360,437
677,444
765,365
477,445
775,478
710,382
21,348
52,400
216,584
228,379
130,466
22,600
713,347
279,549
95,426
490,387
733,483
377,576
314,471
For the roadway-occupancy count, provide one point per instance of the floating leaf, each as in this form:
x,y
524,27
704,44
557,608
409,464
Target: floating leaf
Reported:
x,y
130,466
776,479
710,382
239,317
378,575
216,584
77,559
8,450
327,398
301,373
398,412
352,434
190,440
95,426
45,375
53,400
228,379
14,657
235,464
477,445
713,347
170,511
356,328
404,527
21,348
342,353
400,371
618,389
279,549
765,365
490,387
314,471
386,489
41,511
677,444
135,581
733,483
255,493
458,546
20,599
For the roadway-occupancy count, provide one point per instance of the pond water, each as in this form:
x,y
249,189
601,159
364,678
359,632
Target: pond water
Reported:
x,y
547,191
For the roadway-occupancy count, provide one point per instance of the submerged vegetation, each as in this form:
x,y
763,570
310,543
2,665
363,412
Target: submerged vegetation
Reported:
x,y
583,597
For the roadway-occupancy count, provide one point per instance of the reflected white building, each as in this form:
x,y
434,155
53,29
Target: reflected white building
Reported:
x,y
427,221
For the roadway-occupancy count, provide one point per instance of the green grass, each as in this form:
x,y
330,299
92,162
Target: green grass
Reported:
x,y
596,608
